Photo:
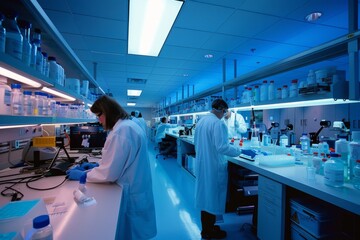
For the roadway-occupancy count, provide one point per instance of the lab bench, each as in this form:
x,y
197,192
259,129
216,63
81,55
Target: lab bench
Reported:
x,y
69,219
279,185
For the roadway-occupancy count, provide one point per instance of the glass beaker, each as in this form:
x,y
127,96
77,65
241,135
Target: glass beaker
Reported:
x,y
255,137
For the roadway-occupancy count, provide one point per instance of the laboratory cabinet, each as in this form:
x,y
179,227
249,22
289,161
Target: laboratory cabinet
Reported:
x,y
280,186
270,211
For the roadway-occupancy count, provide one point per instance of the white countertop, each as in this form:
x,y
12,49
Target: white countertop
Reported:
x,y
295,176
69,219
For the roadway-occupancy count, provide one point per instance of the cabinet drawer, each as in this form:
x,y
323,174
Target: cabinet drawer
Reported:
x,y
270,187
269,199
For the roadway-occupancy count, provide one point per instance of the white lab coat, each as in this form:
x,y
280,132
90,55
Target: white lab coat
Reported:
x,y
125,161
236,125
138,121
211,144
160,131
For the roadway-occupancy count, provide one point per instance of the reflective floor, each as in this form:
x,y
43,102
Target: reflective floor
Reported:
x,y
176,215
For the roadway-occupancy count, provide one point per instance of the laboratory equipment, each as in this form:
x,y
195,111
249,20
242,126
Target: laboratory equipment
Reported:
x,y
87,138
14,39
42,229
271,92
264,91
342,126
314,137
5,97
293,88
26,50
342,148
305,143
16,99
334,171
274,131
356,173
354,147
82,183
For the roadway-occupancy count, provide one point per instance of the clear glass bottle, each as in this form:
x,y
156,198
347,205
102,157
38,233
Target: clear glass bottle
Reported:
x,y
334,171
293,88
33,57
264,91
39,61
53,69
271,92
45,106
342,147
284,140
256,93
284,92
16,99
38,104
5,97
2,34
354,148
42,229
14,39
305,143
28,103
323,146
45,64
52,105
278,93
25,27
311,78
356,173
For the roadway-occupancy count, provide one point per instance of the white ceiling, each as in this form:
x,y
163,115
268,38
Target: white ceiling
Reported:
x,y
97,31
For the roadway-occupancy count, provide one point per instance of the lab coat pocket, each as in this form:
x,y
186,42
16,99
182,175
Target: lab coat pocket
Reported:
x,y
139,202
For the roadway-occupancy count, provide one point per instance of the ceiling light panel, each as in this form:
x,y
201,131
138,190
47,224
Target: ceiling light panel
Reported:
x,y
149,25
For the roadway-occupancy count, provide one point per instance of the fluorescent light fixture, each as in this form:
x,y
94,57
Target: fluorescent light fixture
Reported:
x,y
309,103
13,75
56,93
134,93
149,25
131,104
16,126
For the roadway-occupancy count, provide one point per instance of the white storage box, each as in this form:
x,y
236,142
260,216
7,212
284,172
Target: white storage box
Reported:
x,y
317,218
297,233
18,216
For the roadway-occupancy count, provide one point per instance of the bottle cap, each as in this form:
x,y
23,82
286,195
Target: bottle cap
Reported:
x,y
82,179
41,221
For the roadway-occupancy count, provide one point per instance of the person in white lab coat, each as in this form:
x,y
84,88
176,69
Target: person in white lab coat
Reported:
x,y
125,161
136,116
211,146
162,137
236,124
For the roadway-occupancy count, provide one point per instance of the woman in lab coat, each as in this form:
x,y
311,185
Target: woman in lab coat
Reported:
x,y
125,161
211,144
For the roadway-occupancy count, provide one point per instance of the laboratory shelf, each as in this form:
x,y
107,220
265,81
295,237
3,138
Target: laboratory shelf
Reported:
x,y
9,120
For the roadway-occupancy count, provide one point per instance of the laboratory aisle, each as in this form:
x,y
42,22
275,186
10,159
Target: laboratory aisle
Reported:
x,y
176,215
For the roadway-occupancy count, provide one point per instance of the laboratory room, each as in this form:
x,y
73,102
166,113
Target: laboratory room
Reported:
x,y
179,119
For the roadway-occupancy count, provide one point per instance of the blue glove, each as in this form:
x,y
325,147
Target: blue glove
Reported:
x,y
77,167
248,152
87,165
75,174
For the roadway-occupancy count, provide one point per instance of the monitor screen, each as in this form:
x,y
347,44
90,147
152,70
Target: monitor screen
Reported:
x,y
87,138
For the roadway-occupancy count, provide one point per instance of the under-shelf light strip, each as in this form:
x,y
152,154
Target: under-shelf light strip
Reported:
x,y
56,93
10,74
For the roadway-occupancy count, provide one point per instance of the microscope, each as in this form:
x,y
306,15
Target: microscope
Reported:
x,y
274,131
314,137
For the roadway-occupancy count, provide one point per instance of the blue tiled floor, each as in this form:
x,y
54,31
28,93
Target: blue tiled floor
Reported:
x,y
176,215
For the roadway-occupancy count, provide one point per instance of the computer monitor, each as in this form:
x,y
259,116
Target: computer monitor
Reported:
x,y
87,138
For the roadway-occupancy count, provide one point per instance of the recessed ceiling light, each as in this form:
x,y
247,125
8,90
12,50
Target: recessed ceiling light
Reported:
x,y
208,56
135,93
149,25
131,104
312,17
